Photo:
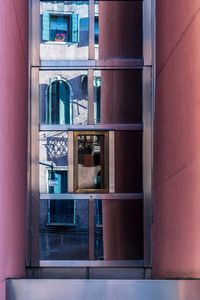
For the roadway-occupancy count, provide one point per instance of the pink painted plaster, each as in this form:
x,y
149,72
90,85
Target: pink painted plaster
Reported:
x,y
13,138
176,225
173,19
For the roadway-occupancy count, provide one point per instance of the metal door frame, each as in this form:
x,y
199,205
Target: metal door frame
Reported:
x,y
147,64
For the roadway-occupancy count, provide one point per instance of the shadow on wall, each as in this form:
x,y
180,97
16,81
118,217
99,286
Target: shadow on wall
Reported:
x,y
56,148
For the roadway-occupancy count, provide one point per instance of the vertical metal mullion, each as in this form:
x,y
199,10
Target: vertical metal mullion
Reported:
x,y
111,162
70,161
147,161
28,215
148,121
91,229
49,102
74,216
34,207
35,33
147,32
91,29
90,97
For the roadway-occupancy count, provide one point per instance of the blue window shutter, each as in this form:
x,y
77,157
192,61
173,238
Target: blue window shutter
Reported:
x,y
46,26
75,31
57,188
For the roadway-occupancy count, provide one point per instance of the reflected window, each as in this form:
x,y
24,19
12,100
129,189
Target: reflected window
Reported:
x,y
63,97
91,172
64,30
60,27
53,162
58,103
97,98
57,182
62,212
64,231
96,30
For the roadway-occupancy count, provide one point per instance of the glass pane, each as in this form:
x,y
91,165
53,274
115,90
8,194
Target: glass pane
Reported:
x,y
98,231
64,30
97,96
118,29
53,162
63,97
118,96
64,230
91,160
118,229
96,30
128,162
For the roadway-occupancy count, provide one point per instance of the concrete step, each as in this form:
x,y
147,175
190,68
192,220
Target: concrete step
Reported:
x,y
62,289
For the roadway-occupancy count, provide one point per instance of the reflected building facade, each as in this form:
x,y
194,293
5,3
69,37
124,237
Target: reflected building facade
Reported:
x,y
64,30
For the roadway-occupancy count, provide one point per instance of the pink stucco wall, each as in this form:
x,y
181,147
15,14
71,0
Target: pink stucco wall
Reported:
x,y
176,226
13,138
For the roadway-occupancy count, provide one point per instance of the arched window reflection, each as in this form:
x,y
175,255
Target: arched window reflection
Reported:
x,y
97,97
58,102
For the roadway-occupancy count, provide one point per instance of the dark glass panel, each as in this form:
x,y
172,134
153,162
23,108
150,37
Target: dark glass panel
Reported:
x,y
64,230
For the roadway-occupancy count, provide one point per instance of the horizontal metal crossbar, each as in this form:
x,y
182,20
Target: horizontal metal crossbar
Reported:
x,y
111,196
111,127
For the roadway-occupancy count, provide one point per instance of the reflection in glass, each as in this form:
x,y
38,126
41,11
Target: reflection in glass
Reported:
x,y
53,162
97,96
128,162
120,29
64,230
91,162
96,30
64,30
118,229
59,27
58,102
62,212
118,96
57,181
98,234
63,97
